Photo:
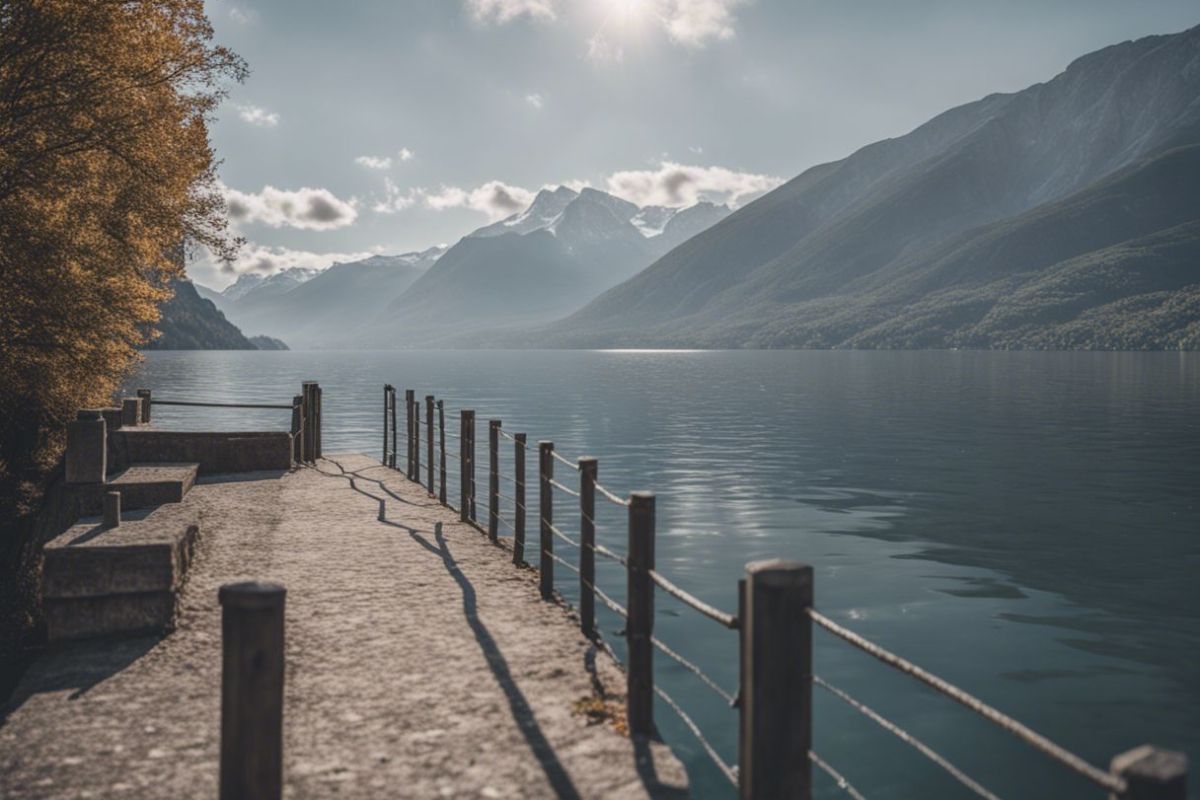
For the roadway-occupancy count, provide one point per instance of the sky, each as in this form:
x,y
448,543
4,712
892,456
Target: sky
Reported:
x,y
386,126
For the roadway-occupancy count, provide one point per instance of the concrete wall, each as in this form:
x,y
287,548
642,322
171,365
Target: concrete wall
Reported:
x,y
215,452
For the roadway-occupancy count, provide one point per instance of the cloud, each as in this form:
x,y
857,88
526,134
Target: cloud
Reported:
x,y
695,22
536,100
307,209
502,11
394,200
494,198
267,260
385,162
258,116
682,185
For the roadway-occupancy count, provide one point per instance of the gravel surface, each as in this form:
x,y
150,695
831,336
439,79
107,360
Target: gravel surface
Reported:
x,y
420,663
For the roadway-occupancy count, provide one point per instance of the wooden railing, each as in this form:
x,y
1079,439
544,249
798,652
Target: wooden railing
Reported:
x,y
305,408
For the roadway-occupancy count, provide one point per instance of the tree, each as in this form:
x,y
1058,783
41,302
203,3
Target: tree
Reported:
x,y
105,171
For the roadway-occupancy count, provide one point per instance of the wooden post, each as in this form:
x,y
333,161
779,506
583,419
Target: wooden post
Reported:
x,y
519,499
308,391
251,691
386,392
395,429
317,427
429,438
408,405
493,479
471,465
776,707
298,429
588,468
441,409
546,509
464,508
639,628
1151,774
144,394
416,442
112,510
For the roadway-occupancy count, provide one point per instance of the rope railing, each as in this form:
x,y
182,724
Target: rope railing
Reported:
x,y
771,700
562,561
564,489
907,738
198,404
564,460
729,772
695,670
609,496
1105,780
728,620
838,778
555,530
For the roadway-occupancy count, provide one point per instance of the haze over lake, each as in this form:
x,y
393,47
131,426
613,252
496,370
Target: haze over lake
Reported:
x,y
1024,524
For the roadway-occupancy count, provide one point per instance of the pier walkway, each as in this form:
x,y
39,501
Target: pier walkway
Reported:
x,y
420,663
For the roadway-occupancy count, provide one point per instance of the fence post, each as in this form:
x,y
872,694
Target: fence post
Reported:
x,y
251,691
1151,774
386,390
464,508
588,467
144,394
416,442
519,499
472,515
429,436
546,512
776,706
395,428
493,479
441,409
317,425
308,392
298,429
639,628
408,406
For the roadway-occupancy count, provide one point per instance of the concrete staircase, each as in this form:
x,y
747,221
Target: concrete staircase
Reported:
x,y
127,578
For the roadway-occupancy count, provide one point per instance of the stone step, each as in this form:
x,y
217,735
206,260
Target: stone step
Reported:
x,y
142,486
125,579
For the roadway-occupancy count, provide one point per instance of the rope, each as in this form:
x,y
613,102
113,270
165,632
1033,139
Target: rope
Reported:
x,y
1022,732
512,500
564,562
451,435
688,665
610,496
726,770
841,782
509,436
504,522
906,737
728,620
609,554
572,464
154,402
560,534
562,488
448,454
613,605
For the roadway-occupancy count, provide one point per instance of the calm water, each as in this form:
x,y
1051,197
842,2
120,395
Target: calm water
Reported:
x,y
1025,524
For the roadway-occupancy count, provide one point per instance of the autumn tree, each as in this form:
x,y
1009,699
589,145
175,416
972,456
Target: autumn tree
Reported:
x,y
106,170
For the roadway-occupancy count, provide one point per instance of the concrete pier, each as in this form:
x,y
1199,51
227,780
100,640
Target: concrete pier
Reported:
x,y
419,663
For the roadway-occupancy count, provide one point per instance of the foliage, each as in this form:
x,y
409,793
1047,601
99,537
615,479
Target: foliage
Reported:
x,y
105,170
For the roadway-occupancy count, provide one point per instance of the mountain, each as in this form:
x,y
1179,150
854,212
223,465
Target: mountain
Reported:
x,y
327,308
256,284
1058,216
538,264
189,322
268,343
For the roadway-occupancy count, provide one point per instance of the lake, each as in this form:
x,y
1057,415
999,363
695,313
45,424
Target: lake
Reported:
x,y
1026,525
